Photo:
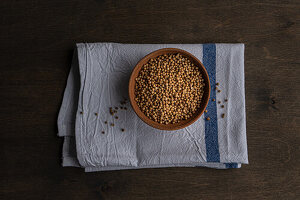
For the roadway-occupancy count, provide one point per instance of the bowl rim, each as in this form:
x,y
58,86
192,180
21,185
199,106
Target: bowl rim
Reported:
x,y
183,123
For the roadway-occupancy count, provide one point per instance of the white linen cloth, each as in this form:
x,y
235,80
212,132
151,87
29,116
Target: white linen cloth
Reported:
x,y
98,80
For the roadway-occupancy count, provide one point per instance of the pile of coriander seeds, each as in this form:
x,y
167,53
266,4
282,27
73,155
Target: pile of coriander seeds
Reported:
x,y
169,88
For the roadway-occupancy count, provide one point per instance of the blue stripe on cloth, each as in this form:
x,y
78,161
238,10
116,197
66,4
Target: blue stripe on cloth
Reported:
x,y
211,126
231,165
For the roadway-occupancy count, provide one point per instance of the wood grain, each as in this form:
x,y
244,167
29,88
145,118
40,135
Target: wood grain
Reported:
x,y
37,39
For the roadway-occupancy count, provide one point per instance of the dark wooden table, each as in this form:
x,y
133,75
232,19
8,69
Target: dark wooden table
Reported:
x,y
36,43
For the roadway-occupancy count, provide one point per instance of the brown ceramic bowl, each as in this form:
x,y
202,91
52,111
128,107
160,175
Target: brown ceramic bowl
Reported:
x,y
180,124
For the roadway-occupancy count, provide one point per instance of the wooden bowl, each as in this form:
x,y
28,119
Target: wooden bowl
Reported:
x,y
183,123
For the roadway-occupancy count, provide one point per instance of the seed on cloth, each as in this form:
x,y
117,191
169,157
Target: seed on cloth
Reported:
x,y
205,111
219,102
122,129
223,115
219,91
116,117
102,132
207,118
112,124
81,112
105,122
111,111
226,100
222,106
217,83
96,114
213,100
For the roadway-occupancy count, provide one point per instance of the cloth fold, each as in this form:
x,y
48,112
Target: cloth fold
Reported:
x,y
98,79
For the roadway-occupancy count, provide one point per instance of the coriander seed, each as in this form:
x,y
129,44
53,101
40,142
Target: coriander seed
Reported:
x,y
169,88
111,111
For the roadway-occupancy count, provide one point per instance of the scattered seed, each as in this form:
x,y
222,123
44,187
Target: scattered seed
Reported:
x,y
122,129
217,83
116,108
81,113
207,118
219,102
223,115
216,88
226,100
205,111
105,122
112,124
222,106
121,107
219,91
125,108
116,117
213,100
115,111
102,132
96,114
111,111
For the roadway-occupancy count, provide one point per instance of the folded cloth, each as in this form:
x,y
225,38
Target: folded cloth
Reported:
x,y
98,80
